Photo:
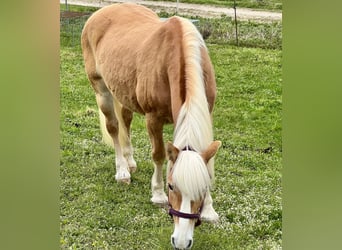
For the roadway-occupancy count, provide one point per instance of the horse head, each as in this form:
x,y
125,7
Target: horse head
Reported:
x,y
188,183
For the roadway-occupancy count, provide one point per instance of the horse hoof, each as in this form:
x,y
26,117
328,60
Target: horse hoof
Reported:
x,y
123,178
159,199
125,181
209,215
132,169
132,165
212,220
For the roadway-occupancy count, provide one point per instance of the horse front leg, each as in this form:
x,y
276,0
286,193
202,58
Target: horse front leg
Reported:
x,y
208,212
155,130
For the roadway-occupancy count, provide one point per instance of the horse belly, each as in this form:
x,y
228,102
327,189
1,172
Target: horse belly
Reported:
x,y
122,87
127,97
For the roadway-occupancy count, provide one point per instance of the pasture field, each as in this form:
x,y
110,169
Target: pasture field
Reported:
x,y
274,5
254,4
98,213
218,30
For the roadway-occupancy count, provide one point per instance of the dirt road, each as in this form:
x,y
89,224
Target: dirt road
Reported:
x,y
190,9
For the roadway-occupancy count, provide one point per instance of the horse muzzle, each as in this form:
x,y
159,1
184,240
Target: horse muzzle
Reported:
x,y
187,244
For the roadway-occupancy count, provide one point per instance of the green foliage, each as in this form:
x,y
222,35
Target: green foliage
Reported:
x,y
98,213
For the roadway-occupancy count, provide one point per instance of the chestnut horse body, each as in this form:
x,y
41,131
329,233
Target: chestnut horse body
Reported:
x,y
161,69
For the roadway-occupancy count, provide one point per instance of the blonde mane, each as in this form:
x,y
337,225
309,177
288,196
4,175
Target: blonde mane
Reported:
x,y
194,126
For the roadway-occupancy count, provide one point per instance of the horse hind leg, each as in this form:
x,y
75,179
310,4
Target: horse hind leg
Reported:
x,y
125,117
110,129
105,102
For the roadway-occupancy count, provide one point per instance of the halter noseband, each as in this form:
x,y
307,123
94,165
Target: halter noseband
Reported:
x,y
173,212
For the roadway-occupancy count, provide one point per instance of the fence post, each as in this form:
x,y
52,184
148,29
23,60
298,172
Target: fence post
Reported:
x,y
236,30
177,7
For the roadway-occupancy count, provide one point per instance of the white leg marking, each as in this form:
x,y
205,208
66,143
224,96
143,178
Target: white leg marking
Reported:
x,y
158,195
208,212
122,169
128,154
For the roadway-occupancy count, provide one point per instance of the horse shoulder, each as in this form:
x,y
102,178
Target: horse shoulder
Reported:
x,y
158,69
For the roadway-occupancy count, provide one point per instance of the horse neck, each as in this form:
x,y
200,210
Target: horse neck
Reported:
x,y
194,125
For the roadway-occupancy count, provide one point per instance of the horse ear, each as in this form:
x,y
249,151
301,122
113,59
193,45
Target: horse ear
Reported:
x,y
211,151
172,152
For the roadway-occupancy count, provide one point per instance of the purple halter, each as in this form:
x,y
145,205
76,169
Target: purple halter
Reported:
x,y
173,212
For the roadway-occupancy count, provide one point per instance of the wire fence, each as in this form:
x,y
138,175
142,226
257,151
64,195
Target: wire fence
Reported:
x,y
225,30
71,25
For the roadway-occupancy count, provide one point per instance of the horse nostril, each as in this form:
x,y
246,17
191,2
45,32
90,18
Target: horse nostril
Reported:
x,y
173,241
189,245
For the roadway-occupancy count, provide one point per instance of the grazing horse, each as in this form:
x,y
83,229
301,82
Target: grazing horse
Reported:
x,y
161,69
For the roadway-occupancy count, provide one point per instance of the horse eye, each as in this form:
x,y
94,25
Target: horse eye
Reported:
x,y
170,187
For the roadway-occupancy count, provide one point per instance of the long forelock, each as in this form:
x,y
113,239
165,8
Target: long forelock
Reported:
x,y
190,175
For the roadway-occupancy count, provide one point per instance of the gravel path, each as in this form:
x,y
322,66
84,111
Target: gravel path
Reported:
x,y
190,9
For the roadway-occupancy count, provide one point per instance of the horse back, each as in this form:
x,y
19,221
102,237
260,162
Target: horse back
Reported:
x,y
141,59
112,40
116,23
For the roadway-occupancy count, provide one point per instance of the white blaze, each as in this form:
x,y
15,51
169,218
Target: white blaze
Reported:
x,y
184,230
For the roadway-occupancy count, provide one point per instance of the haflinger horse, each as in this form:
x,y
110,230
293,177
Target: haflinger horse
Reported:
x,y
161,69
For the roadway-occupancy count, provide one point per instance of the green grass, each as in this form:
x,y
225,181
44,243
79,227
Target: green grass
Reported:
x,y
98,213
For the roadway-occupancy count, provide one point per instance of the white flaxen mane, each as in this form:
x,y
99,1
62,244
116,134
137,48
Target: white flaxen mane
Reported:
x,y
194,126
